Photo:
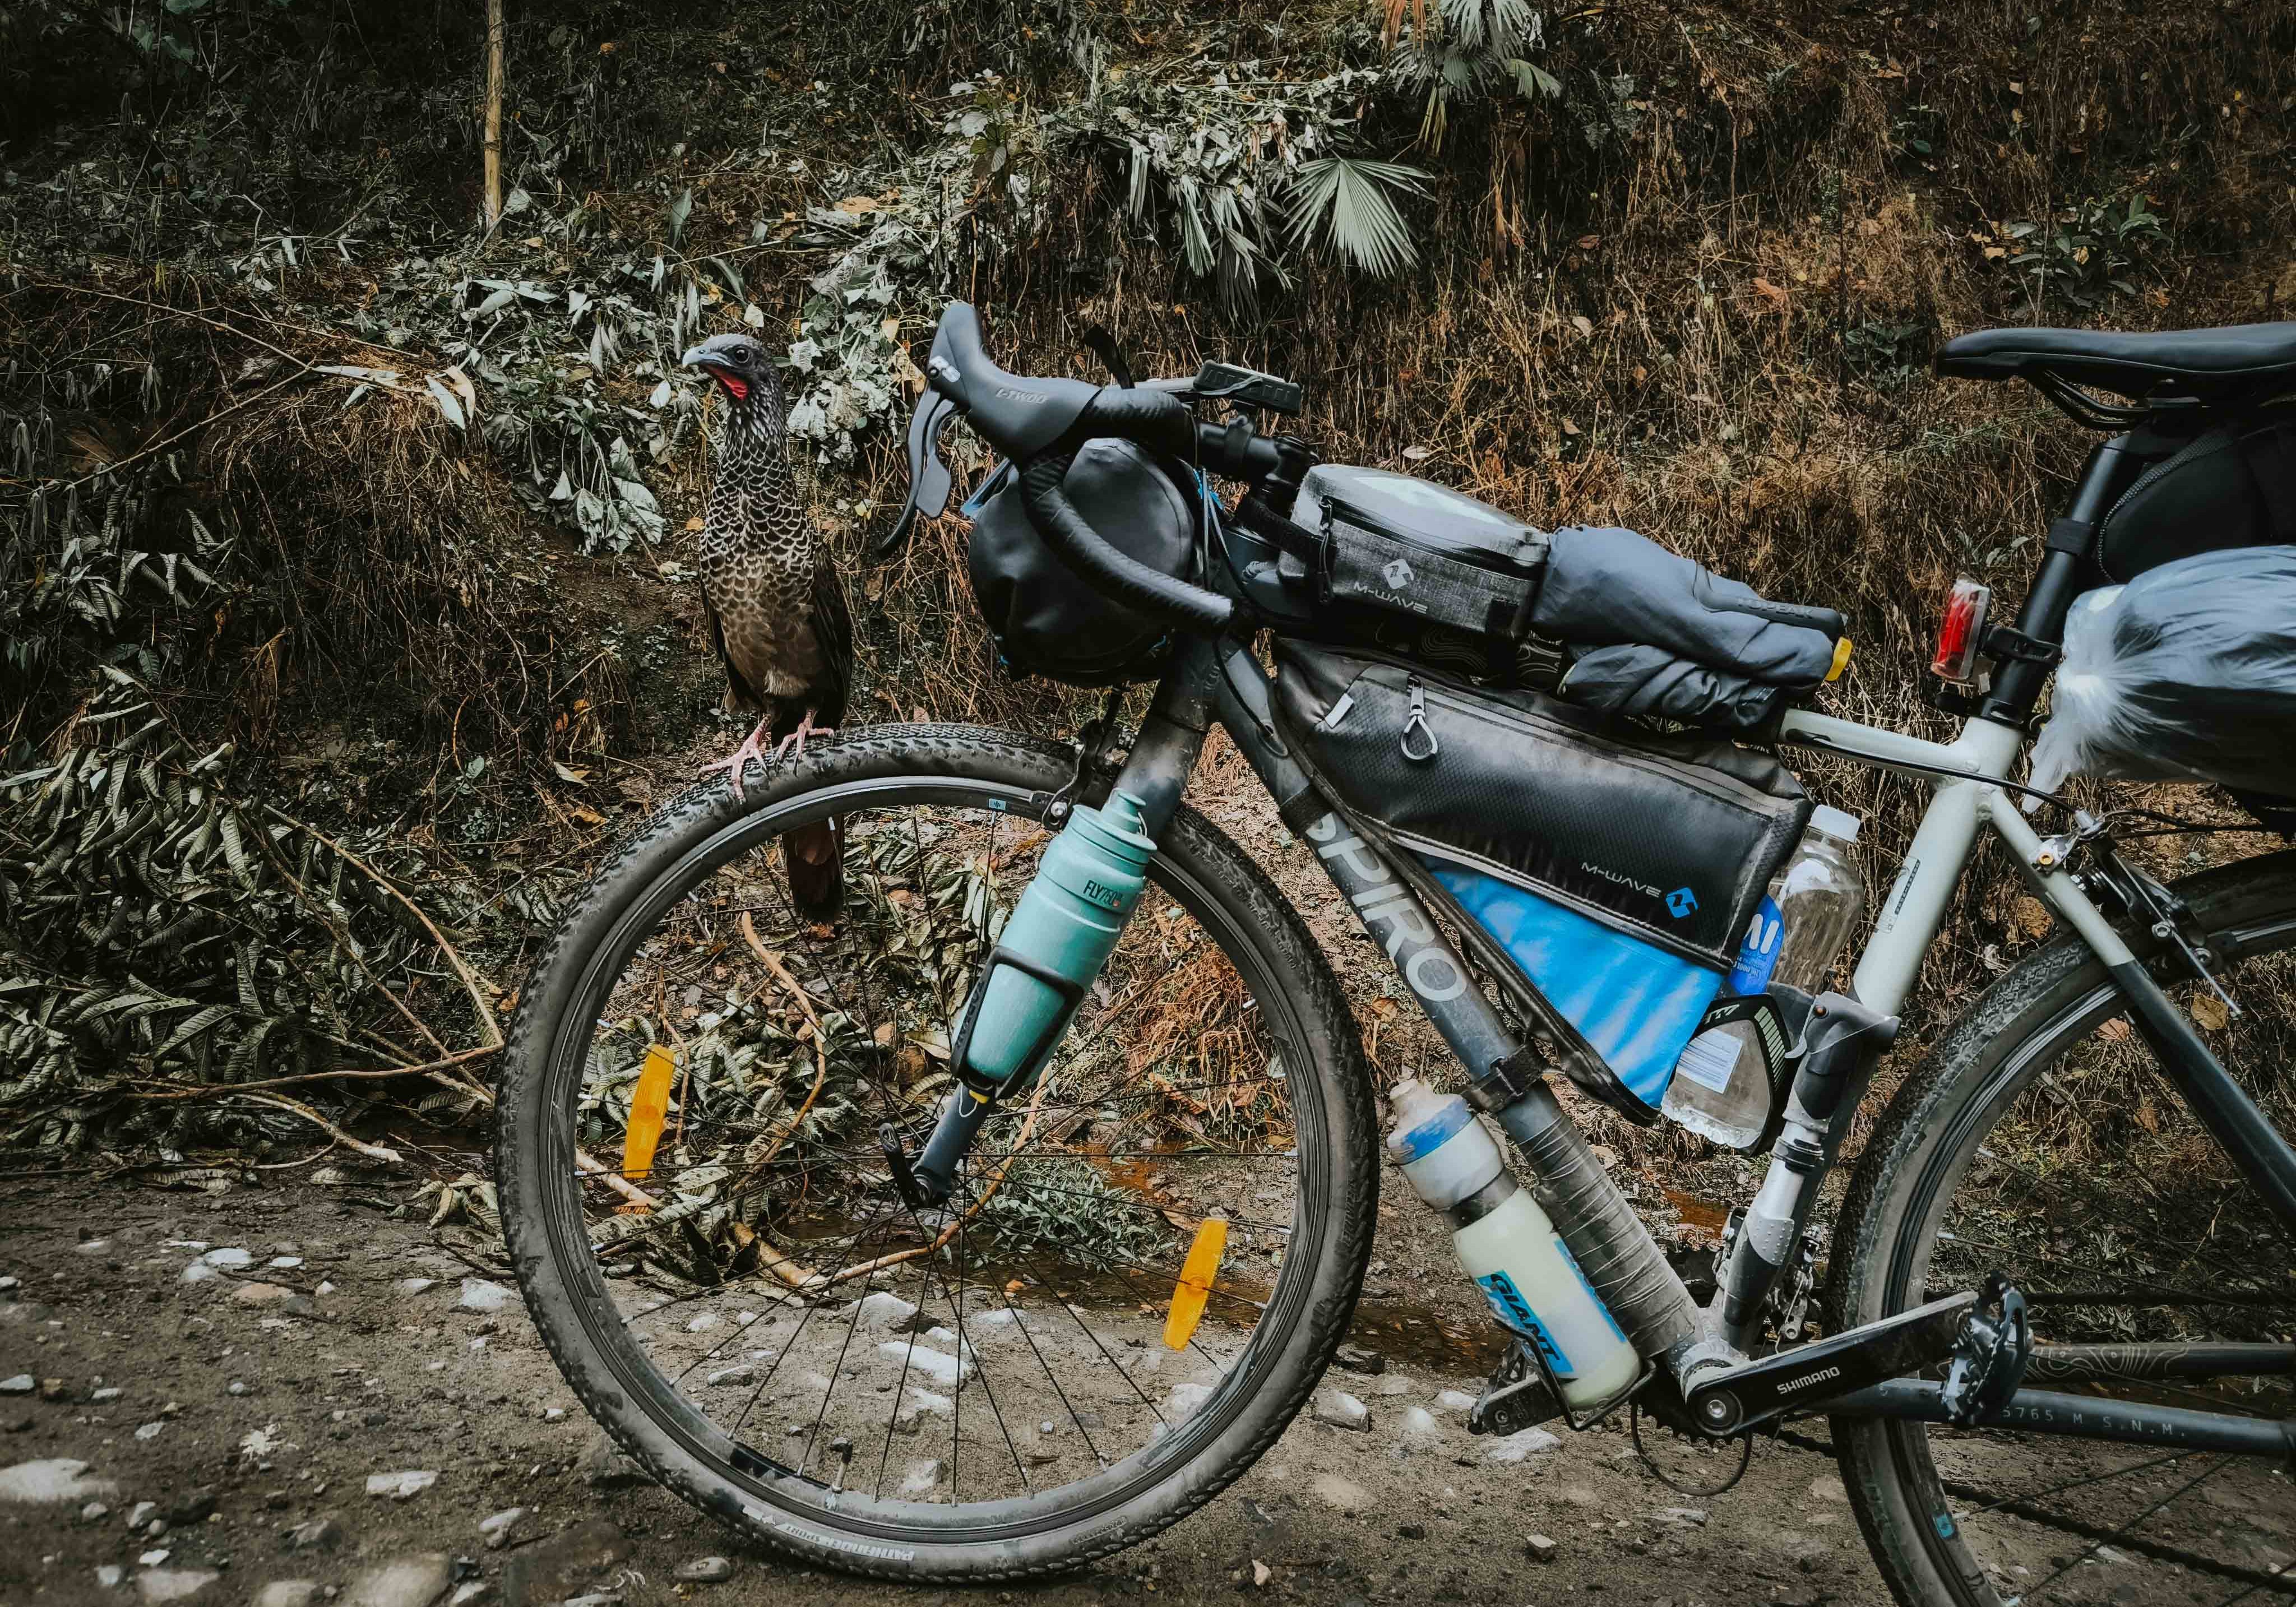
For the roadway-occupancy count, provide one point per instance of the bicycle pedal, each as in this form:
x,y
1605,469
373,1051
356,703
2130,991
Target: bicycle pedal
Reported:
x,y
1515,1397
1740,1397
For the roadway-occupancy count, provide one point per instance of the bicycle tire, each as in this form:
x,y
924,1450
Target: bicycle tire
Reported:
x,y
1292,977
1934,1124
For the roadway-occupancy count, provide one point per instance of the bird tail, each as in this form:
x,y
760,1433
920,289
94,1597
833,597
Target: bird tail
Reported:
x,y
813,857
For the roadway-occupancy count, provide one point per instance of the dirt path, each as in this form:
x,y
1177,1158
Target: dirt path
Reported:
x,y
333,1344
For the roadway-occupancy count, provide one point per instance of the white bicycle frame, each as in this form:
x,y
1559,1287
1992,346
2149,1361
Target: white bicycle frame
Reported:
x,y
1965,772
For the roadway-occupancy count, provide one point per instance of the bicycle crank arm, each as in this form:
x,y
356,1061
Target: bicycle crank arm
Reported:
x,y
1735,1399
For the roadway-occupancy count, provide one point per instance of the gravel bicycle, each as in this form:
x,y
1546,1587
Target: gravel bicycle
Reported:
x,y
825,1287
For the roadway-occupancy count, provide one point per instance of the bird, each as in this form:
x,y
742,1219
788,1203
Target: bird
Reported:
x,y
776,611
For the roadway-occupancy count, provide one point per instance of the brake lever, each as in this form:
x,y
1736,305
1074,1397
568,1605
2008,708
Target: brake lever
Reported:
x,y
928,476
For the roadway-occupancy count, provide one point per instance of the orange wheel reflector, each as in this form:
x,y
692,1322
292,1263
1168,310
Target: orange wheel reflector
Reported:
x,y
1841,651
649,1108
1195,1284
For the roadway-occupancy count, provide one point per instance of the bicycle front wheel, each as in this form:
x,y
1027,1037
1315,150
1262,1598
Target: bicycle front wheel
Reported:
x,y
732,1283
2042,1139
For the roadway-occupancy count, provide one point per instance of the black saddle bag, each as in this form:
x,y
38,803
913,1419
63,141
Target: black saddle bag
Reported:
x,y
2232,486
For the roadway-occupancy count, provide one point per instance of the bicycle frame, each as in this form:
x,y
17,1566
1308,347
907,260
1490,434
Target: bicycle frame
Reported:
x,y
1224,682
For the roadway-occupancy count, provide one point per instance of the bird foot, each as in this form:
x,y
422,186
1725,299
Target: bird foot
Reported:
x,y
739,759
792,746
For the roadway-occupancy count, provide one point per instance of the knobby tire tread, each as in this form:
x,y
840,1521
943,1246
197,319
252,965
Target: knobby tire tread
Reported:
x,y
945,751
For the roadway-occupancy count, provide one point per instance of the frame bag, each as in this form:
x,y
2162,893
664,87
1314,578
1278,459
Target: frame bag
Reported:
x,y
1616,877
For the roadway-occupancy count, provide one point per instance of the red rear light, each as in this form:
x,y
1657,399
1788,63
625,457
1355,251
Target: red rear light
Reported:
x,y
1963,628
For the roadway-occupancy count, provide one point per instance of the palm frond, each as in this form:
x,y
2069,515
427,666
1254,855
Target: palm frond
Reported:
x,y
1349,202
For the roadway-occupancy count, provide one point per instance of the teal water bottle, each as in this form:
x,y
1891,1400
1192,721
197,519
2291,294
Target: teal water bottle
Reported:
x,y
1066,925
1062,933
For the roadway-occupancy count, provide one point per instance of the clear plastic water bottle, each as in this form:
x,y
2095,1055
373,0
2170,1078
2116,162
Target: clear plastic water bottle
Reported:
x,y
1720,1089
1820,899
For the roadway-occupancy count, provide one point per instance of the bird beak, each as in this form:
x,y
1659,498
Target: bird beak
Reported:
x,y
715,363
700,357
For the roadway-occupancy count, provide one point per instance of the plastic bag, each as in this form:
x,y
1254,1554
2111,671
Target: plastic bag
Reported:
x,y
2187,672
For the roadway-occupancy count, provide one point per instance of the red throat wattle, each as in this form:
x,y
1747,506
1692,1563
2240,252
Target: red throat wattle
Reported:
x,y
738,390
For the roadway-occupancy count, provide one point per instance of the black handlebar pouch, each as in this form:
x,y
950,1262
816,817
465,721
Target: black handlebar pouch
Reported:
x,y
1046,619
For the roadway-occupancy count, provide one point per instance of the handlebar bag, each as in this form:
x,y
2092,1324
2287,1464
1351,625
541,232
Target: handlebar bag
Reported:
x,y
1616,877
1047,621
2232,486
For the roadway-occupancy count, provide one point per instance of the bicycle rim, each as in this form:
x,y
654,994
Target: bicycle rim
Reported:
x,y
986,1373
2075,1168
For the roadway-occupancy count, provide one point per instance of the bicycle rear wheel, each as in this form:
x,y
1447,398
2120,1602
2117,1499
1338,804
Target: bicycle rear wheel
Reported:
x,y
982,1392
2042,1139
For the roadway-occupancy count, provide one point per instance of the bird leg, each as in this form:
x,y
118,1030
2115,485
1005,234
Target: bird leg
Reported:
x,y
805,729
751,748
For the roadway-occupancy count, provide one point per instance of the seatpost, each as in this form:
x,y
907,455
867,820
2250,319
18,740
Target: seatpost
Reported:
x,y
2067,568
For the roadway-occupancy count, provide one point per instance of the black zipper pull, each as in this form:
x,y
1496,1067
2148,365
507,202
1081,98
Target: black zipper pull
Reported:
x,y
1428,747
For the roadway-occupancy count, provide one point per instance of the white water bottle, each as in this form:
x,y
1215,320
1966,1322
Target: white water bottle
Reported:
x,y
1508,1245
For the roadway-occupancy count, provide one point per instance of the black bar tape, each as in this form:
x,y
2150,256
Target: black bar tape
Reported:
x,y
1114,575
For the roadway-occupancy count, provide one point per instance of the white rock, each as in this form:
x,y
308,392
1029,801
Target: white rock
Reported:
x,y
194,1245
289,1593
886,1310
284,1263
94,1512
324,1288
157,1585
1342,1410
417,1285
111,1576
933,1365
470,1591
230,1259
23,1384
155,1557
480,1295
401,1486
926,1401
702,1324
6,1284
415,1581
1515,1448
109,1392
1420,1425
1456,1400
1344,1494
93,1247
200,1272
1539,1548
924,1477
500,1528
1690,1516
1394,1383
1184,1402
55,1478
1827,1487
139,1515
553,1414
149,1430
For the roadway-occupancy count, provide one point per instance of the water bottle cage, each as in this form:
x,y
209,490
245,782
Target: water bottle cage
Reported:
x,y
1779,1047
960,1052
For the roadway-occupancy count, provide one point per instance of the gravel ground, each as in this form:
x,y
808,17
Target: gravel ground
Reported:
x,y
282,1395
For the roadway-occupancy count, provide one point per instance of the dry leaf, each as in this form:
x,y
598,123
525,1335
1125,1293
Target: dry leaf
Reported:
x,y
1587,242
1578,322
2148,1116
857,205
2209,1011
2116,1030
2030,916
1777,295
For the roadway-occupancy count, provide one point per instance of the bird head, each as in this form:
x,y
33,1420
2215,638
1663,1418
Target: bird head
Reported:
x,y
742,366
